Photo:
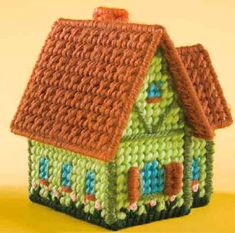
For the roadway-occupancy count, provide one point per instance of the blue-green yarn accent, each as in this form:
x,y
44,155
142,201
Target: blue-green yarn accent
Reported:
x,y
195,168
66,174
43,168
90,182
152,178
154,89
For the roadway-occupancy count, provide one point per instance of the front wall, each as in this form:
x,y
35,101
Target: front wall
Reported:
x,y
158,119
134,153
80,165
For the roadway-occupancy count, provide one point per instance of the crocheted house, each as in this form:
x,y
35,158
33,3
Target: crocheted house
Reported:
x,y
120,123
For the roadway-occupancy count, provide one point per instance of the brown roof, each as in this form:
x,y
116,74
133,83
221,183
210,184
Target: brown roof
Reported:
x,y
201,72
86,81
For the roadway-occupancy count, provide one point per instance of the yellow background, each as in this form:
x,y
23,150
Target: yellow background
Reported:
x,y
24,25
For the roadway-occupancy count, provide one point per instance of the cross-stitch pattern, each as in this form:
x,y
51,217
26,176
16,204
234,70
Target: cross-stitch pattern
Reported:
x,y
120,123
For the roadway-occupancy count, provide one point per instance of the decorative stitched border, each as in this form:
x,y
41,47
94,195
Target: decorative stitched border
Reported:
x,y
131,220
187,192
201,201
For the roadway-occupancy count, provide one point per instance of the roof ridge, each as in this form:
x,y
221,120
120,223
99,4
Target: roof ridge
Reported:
x,y
188,96
193,47
110,24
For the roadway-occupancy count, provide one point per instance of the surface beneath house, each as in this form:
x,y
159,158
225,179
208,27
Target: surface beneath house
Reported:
x,y
18,214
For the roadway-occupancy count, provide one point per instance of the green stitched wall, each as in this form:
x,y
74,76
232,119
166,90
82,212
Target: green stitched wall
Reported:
x,y
198,151
80,165
163,116
202,151
135,153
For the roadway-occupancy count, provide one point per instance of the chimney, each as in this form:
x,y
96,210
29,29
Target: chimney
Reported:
x,y
110,14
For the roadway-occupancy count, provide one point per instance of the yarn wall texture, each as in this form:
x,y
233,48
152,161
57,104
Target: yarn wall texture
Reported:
x,y
162,117
80,166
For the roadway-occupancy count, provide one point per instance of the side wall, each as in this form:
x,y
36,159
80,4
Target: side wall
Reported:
x,y
155,131
202,166
139,151
52,190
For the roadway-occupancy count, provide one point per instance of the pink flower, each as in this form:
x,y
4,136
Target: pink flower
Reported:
x,y
56,193
195,188
47,188
34,185
133,207
172,198
153,203
73,197
97,205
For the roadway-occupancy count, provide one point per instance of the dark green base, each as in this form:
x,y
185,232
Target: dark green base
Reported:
x,y
199,201
131,220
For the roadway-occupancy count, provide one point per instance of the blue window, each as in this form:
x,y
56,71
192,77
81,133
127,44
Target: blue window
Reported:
x,y
152,178
155,89
66,175
90,183
43,168
195,169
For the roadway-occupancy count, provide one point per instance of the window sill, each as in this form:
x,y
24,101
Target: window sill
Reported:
x,y
66,189
90,197
153,100
44,182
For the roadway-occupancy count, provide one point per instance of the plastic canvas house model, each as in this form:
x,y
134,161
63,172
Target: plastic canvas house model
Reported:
x,y
120,122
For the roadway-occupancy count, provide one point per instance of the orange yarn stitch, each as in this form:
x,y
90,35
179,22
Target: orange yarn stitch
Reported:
x,y
84,85
66,189
201,72
110,14
153,100
87,79
133,184
44,182
90,197
173,178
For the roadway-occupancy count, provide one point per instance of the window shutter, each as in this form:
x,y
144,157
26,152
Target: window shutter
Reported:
x,y
173,178
133,184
